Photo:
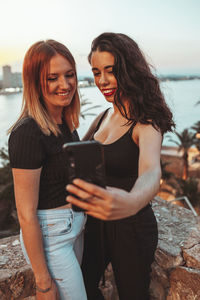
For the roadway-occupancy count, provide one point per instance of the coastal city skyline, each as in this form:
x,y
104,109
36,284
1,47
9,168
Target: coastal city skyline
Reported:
x,y
166,31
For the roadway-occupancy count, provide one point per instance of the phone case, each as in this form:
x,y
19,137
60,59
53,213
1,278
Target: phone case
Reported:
x,y
85,160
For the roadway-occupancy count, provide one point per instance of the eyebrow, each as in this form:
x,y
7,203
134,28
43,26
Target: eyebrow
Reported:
x,y
71,70
106,67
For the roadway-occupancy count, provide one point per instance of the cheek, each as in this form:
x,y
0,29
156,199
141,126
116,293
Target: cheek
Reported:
x,y
50,88
73,83
114,81
96,80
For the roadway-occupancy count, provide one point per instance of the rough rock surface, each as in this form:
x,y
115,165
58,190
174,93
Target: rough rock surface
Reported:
x,y
175,271
179,240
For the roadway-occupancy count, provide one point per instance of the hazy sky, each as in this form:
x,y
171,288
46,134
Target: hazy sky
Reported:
x,y
168,31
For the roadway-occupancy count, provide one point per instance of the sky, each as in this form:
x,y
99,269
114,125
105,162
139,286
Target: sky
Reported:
x,y
167,31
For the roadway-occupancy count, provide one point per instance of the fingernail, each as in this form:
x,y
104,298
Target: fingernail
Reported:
x,y
76,180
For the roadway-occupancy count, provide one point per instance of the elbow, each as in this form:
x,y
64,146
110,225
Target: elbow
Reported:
x,y
158,175
26,218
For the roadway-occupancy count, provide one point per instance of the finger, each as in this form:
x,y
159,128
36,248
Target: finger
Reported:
x,y
96,215
101,216
80,203
77,191
90,187
93,203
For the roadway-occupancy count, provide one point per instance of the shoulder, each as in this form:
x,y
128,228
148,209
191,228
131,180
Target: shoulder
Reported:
x,y
94,125
25,132
25,124
26,128
25,146
100,117
146,132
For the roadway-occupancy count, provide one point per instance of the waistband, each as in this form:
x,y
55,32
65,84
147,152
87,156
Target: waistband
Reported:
x,y
144,209
57,213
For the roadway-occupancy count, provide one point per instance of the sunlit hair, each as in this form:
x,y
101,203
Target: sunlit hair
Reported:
x,y
135,81
35,71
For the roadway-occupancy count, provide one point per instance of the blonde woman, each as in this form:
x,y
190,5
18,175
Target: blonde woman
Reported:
x,y
51,232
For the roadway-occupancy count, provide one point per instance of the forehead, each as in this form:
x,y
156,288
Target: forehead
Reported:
x,y
59,63
102,59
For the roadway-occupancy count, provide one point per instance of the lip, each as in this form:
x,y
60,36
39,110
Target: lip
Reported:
x,y
63,93
108,92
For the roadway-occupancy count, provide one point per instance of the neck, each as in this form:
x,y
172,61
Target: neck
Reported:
x,y
56,115
116,109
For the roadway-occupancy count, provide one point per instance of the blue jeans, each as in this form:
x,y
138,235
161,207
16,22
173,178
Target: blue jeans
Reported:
x,y
62,231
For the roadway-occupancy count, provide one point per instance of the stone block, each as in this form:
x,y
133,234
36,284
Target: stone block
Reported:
x,y
192,257
184,284
159,275
167,260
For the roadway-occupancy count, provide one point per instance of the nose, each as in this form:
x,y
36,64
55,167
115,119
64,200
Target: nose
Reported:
x,y
64,82
103,80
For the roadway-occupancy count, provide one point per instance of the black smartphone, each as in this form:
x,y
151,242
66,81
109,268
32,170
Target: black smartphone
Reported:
x,y
85,160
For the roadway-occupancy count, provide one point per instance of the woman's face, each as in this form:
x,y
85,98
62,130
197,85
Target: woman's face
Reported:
x,y
61,83
102,67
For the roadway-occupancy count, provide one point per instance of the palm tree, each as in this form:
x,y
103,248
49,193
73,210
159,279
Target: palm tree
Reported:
x,y
185,141
188,188
196,128
85,112
8,220
166,175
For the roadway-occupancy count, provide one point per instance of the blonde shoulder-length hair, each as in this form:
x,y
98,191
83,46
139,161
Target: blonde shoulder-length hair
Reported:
x,y
35,70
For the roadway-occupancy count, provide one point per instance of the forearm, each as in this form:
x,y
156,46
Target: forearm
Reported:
x,y
145,188
32,238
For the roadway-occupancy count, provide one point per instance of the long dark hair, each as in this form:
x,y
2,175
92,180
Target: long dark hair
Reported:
x,y
135,82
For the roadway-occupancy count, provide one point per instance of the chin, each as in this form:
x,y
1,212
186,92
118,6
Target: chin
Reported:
x,y
110,99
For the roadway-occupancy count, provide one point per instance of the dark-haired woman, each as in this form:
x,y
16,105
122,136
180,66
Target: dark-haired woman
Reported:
x,y
131,133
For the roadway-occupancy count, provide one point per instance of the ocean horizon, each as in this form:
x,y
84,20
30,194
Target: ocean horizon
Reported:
x,y
181,97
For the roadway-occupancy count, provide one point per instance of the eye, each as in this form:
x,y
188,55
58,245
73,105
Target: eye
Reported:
x,y
51,78
70,75
96,74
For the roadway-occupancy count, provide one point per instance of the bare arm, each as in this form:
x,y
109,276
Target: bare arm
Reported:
x,y
114,203
26,184
148,182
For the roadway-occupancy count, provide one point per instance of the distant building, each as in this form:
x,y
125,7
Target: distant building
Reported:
x,y
7,74
83,83
10,79
16,79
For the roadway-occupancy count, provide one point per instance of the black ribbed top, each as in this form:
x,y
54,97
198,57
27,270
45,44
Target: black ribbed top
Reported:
x,y
30,148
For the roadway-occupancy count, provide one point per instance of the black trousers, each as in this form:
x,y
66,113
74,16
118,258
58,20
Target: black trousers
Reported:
x,y
129,244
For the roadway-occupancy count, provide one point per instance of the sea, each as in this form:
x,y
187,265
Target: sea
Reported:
x,y
181,96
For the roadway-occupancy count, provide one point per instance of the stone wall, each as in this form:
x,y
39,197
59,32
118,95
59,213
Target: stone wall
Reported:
x,y
175,272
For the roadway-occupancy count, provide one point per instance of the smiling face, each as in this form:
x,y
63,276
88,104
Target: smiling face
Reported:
x,y
60,84
102,67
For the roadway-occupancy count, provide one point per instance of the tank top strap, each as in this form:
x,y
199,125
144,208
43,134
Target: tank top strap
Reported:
x,y
132,127
101,119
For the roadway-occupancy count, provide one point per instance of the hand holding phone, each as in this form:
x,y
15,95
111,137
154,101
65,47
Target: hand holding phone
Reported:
x,y
85,160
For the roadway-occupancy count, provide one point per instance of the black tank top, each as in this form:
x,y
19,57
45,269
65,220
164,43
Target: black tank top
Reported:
x,y
121,159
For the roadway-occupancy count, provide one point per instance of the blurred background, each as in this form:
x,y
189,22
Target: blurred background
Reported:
x,y
166,31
